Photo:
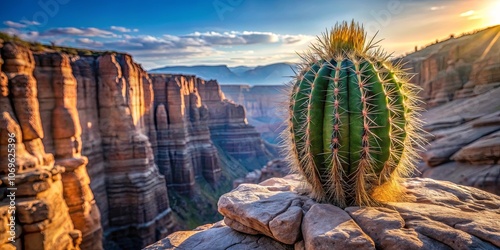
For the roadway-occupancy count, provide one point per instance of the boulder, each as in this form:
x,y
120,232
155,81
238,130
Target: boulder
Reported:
x,y
436,215
277,214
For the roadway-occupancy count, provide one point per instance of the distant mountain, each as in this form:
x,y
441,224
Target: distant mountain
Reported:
x,y
239,70
272,74
219,72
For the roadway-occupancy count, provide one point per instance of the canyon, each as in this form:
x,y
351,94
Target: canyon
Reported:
x,y
103,148
264,107
460,79
111,156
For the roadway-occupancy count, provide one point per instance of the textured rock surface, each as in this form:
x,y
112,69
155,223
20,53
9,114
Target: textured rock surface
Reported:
x,y
42,215
274,168
277,215
137,196
460,80
66,108
216,236
438,215
230,130
58,109
115,145
464,145
263,107
185,150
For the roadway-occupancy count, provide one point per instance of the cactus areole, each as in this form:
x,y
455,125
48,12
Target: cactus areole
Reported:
x,y
352,120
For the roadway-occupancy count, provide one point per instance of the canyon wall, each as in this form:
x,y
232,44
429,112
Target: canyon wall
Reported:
x,y
98,143
39,195
85,130
458,67
263,105
185,150
460,78
194,119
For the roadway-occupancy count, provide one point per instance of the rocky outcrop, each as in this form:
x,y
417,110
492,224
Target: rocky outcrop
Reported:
x,y
61,125
263,105
193,119
229,128
185,150
459,79
137,195
274,168
458,67
96,148
437,215
72,114
216,236
34,202
463,142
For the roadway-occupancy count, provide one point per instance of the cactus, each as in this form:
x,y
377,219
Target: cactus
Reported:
x,y
353,123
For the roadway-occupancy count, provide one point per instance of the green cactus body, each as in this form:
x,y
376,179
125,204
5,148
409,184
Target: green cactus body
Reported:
x,y
348,126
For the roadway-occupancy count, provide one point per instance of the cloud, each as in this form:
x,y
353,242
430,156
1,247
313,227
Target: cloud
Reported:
x,y
71,31
244,38
88,42
467,13
293,39
123,29
434,8
151,50
234,38
15,25
21,24
30,23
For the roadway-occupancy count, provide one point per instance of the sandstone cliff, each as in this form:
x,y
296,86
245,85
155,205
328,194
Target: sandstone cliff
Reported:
x,y
460,80
276,215
204,143
458,67
263,105
72,107
99,141
46,215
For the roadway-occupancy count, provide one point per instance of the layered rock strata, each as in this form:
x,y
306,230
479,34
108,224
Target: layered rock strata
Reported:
x,y
458,67
75,114
230,130
464,142
43,211
185,150
437,215
57,90
263,105
137,195
193,119
99,147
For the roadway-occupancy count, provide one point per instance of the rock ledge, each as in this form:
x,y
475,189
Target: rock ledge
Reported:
x,y
276,215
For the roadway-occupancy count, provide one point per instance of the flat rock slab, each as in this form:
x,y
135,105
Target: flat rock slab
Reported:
x,y
276,214
440,215
216,236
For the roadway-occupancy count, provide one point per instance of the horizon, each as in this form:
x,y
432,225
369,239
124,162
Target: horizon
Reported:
x,y
237,33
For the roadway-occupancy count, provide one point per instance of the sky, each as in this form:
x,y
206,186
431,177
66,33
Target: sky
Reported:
x,y
236,32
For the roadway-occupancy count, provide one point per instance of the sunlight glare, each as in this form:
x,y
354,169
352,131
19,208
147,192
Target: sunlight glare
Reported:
x,y
495,13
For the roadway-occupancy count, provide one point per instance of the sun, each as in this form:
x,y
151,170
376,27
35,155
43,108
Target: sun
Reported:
x,y
494,13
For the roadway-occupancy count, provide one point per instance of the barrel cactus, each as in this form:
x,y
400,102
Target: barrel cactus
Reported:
x,y
353,122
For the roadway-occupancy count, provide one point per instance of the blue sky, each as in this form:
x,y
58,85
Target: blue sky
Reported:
x,y
235,32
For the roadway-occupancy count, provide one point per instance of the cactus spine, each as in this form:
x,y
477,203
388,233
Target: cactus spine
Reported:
x,y
352,122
